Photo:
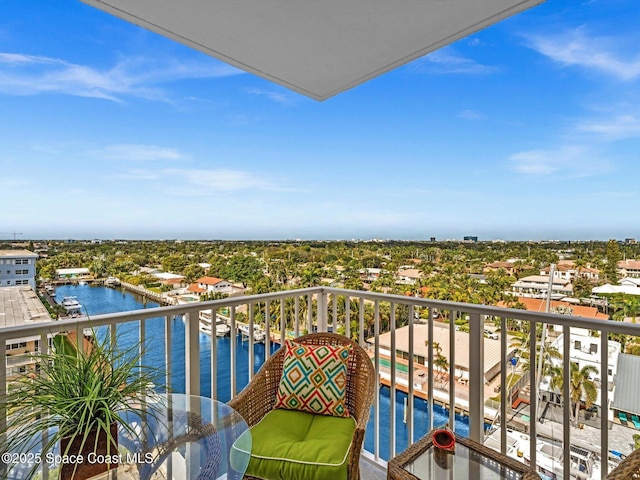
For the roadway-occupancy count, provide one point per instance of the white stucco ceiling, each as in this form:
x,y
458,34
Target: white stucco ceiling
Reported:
x,y
318,48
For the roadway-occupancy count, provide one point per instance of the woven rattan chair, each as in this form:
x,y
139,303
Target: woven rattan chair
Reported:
x,y
627,469
258,398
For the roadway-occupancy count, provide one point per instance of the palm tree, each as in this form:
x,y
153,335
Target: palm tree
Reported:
x,y
582,387
440,361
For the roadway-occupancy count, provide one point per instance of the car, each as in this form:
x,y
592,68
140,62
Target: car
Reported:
x,y
491,335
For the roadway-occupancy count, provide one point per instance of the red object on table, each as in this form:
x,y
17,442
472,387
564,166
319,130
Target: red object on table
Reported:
x,y
444,439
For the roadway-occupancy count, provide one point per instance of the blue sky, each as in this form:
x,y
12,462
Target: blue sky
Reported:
x,y
529,129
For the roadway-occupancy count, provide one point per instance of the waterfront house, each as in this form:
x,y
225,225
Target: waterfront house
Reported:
x,y
73,274
419,346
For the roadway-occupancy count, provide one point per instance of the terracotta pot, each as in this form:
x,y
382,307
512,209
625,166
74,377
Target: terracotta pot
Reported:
x,y
84,463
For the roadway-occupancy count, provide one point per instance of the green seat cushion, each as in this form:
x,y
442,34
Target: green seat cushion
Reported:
x,y
295,445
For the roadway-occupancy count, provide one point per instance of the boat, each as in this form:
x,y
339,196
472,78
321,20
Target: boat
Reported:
x,y
112,282
585,462
72,306
222,329
258,333
50,289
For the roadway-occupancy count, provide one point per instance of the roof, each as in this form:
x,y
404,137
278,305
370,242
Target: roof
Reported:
x,y
209,280
543,279
21,306
195,288
612,289
71,271
410,273
318,49
167,276
632,264
540,305
627,385
492,355
17,253
500,265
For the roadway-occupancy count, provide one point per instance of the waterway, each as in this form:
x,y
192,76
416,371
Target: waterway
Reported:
x,y
97,300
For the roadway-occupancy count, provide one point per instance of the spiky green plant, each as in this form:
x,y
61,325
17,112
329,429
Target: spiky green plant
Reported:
x,y
77,392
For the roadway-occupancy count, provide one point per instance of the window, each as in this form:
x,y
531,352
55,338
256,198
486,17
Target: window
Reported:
x,y
593,348
577,345
15,346
22,282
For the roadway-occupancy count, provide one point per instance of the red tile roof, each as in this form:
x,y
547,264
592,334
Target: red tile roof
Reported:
x,y
539,305
195,288
209,280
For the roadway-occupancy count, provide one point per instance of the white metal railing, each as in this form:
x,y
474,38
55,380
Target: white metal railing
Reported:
x,y
366,316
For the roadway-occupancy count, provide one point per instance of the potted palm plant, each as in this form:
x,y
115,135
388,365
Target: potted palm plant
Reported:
x,y
78,398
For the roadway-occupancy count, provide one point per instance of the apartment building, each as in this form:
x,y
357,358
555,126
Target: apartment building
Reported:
x,y
18,267
20,305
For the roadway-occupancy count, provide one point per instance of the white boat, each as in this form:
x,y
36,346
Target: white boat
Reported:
x,y
112,282
585,463
258,333
222,329
71,305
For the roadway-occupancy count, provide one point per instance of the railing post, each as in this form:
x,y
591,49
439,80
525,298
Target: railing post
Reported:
x,y
322,311
3,409
476,378
192,354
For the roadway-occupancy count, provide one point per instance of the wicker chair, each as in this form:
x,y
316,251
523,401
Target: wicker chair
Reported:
x,y
627,469
258,398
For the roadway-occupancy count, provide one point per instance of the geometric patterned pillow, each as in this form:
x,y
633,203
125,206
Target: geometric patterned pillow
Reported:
x,y
314,379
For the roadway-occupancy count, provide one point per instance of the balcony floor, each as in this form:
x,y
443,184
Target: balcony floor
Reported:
x,y
371,471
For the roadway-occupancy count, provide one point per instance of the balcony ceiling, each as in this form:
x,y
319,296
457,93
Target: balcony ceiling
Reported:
x,y
318,48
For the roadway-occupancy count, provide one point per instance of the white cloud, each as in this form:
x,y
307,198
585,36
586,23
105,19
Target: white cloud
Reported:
x,y
22,74
278,97
572,161
447,60
575,48
471,115
617,128
13,182
139,153
138,174
222,179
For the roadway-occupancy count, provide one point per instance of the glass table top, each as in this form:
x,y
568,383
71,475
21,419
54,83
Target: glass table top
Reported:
x,y
465,463
186,437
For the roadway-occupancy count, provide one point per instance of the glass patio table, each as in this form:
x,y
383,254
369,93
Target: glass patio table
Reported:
x,y
187,437
470,460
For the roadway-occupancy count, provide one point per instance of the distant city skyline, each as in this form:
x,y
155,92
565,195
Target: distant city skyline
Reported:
x,y
527,130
